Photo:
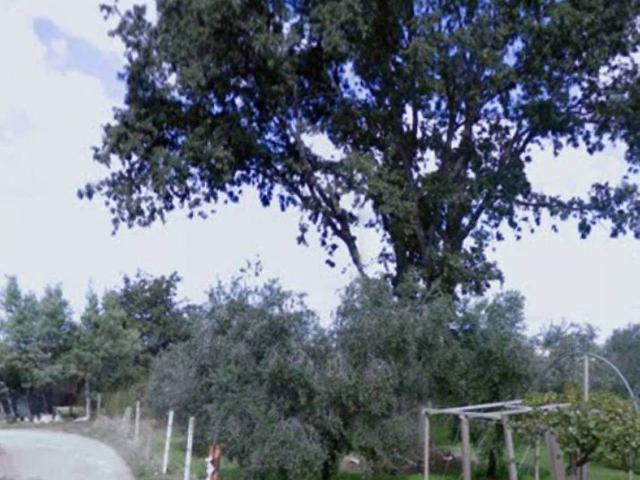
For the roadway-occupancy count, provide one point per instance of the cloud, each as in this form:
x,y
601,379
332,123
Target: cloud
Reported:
x,y
14,124
80,18
66,52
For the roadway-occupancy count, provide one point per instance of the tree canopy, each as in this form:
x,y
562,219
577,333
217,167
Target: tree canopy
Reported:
x,y
37,337
433,109
44,350
151,306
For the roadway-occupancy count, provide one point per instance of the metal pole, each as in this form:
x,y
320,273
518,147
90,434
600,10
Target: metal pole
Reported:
x,y
466,448
427,440
632,395
187,460
586,378
167,443
585,468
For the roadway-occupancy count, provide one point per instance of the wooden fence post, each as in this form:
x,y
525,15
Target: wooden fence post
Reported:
x,y
466,448
511,455
536,465
167,443
556,465
187,459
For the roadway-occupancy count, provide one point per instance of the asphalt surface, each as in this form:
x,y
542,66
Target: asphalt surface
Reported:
x,y
49,455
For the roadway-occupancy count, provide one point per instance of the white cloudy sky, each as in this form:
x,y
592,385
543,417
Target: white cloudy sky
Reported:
x,y
58,87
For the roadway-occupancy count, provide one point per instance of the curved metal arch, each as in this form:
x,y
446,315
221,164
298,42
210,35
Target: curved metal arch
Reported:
x,y
632,395
609,363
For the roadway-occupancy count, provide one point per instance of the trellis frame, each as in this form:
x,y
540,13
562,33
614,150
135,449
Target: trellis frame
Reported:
x,y
496,411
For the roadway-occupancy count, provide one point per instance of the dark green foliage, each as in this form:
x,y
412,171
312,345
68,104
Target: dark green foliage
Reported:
x,y
106,350
42,347
37,337
150,306
434,109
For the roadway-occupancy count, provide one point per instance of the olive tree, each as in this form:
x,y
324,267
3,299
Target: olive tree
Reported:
x,y
256,373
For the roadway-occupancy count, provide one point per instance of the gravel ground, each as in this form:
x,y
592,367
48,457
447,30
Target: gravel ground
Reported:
x,y
49,455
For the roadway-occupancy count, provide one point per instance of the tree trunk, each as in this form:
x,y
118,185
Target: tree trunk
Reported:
x,y
45,403
329,467
492,465
29,405
12,409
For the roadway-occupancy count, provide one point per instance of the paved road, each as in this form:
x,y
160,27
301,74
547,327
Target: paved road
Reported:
x,y
47,455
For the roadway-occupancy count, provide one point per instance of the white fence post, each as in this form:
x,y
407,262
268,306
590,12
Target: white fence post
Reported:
x,y
136,428
187,460
167,443
126,421
427,441
98,405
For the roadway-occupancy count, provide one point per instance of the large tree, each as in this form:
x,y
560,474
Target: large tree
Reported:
x,y
106,349
432,108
